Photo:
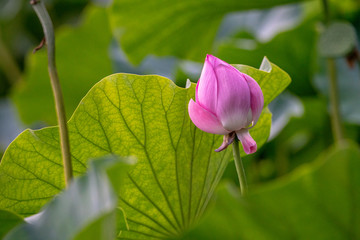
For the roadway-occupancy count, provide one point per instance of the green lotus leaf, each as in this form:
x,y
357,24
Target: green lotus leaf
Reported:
x,y
131,115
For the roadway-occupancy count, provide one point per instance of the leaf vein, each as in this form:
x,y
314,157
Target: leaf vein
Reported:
x,y
147,216
152,202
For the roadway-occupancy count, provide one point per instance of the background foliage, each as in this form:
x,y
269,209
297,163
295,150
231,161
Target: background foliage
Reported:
x,y
296,178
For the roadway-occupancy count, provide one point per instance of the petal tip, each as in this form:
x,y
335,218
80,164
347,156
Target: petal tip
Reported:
x,y
208,56
251,149
210,59
247,141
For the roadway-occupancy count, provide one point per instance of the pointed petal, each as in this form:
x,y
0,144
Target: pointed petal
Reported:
x,y
207,87
227,140
214,61
233,100
247,141
204,119
256,98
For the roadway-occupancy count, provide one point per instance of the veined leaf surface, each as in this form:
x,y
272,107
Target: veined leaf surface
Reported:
x,y
131,115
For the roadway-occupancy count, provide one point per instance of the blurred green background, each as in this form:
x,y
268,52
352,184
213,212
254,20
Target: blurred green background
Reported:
x,y
171,38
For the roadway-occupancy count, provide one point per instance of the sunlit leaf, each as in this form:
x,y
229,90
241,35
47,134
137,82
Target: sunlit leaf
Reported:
x,y
131,115
271,84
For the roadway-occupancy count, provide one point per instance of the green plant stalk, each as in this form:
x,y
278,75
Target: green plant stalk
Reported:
x,y
326,11
336,125
48,28
239,168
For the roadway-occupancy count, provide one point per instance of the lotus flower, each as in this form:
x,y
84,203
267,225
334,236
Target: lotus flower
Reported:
x,y
228,103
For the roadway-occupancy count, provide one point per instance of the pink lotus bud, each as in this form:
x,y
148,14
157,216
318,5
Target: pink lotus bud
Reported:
x,y
227,102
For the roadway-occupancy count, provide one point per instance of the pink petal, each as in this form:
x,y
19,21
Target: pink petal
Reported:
x,y
256,98
247,141
233,99
214,61
207,86
204,119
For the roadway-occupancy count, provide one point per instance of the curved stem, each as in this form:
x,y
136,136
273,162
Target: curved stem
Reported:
x,y
239,167
47,25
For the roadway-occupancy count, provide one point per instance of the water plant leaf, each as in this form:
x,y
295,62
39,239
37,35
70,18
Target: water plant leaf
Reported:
x,y
85,210
271,84
185,29
319,200
131,115
338,40
8,220
80,63
301,40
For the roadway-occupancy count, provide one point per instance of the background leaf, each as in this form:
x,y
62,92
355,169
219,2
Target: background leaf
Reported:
x,y
185,29
337,40
82,59
299,141
324,195
85,210
348,87
293,50
143,116
8,220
